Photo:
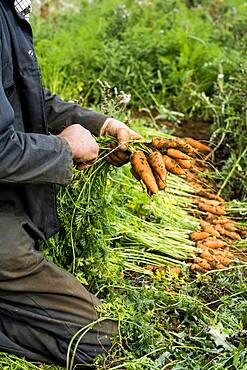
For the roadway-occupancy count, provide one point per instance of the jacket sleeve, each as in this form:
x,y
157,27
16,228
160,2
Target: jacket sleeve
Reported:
x,y
27,157
61,114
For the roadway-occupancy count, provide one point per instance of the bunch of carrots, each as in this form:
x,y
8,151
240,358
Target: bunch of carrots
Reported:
x,y
183,157
177,156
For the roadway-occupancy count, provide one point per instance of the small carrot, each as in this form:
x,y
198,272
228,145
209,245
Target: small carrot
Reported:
x,y
203,263
229,226
214,243
211,202
184,163
220,229
157,164
224,260
221,221
207,256
217,210
219,266
159,142
178,143
210,217
196,267
209,229
177,154
206,194
142,169
183,146
198,145
199,235
172,166
233,235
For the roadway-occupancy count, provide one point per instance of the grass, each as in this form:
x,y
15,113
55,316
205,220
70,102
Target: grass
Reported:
x,y
185,58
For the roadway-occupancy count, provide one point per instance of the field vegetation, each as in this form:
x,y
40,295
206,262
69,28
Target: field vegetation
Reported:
x,y
181,60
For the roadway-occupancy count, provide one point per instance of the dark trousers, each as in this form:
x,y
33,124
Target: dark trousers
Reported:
x,y
42,306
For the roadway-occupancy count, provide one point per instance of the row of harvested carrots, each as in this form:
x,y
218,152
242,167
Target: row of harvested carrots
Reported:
x,y
174,155
213,242
216,234
183,157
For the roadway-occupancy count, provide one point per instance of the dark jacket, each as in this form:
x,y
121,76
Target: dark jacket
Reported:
x,y
32,158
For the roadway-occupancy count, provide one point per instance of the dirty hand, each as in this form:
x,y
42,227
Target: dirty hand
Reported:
x,y
123,134
83,146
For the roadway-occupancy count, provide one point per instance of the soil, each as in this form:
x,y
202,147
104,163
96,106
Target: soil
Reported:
x,y
199,130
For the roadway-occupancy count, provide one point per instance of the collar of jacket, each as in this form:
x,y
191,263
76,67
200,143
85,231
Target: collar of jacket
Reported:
x,y
11,4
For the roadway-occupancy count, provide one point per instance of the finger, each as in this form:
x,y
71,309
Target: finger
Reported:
x,y
122,156
135,136
112,161
123,136
83,166
118,159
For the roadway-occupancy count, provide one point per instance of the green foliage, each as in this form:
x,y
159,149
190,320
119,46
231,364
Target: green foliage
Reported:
x,y
230,128
159,51
171,323
185,56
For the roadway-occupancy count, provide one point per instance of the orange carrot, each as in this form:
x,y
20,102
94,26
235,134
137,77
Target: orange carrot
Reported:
x,y
159,142
209,229
180,144
157,164
172,166
183,146
210,217
207,256
220,229
223,260
142,169
229,226
206,194
195,266
198,145
219,266
184,163
221,221
199,235
214,243
177,154
217,210
210,202
232,235
203,263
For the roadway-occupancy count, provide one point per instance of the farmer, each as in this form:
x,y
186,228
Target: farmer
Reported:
x,y
41,306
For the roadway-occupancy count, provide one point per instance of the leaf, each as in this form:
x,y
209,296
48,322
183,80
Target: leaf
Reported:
x,y
219,337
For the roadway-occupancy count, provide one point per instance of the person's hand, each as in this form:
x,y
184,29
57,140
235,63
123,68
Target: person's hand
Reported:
x,y
83,146
123,134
